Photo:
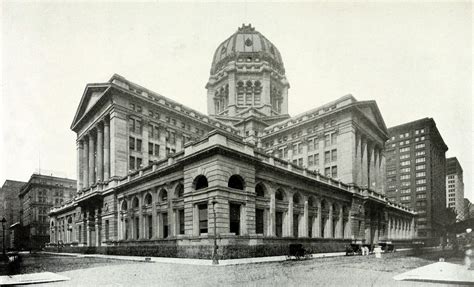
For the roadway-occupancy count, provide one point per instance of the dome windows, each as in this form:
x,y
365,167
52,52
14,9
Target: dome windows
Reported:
x,y
248,42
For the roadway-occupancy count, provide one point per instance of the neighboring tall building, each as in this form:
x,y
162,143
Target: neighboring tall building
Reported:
x,y
455,187
10,206
152,171
416,172
37,197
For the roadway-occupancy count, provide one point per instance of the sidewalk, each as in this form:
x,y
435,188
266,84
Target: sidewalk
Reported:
x,y
191,261
439,272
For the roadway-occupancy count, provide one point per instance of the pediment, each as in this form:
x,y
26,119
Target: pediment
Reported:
x,y
90,97
371,111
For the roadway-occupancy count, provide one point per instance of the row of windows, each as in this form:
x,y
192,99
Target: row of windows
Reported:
x,y
313,143
135,125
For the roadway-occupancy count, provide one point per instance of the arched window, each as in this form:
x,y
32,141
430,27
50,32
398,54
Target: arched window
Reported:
x,y
148,199
260,190
311,202
69,220
179,190
124,205
280,194
52,223
135,202
200,182
236,181
296,198
163,195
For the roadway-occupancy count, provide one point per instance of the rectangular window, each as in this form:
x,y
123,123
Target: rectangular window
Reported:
x,y
421,196
333,138
202,218
420,174
405,198
295,225
279,224
334,155
406,169
327,171
327,140
181,221
137,228
139,163
106,230
150,226
405,156
421,159
421,181
421,152
234,218
165,225
131,163
334,171
420,188
259,221
310,160
157,150
405,176
316,159
405,163
405,191
316,144
150,148
405,149
139,145
421,166
327,157
421,145
131,143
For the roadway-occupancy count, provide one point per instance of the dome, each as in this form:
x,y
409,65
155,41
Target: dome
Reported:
x,y
246,44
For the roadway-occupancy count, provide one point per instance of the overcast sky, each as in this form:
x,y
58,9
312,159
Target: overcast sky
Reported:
x,y
415,60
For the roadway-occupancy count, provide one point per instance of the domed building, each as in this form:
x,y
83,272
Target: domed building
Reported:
x,y
157,178
247,81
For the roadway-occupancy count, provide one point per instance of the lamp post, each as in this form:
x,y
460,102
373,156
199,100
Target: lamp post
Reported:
x,y
215,261
3,229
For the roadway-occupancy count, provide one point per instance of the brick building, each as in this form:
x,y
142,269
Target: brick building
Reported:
x,y
10,206
37,197
416,174
153,174
455,187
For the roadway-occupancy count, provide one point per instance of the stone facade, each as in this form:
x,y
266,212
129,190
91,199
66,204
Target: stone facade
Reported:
x,y
416,174
455,188
37,197
156,177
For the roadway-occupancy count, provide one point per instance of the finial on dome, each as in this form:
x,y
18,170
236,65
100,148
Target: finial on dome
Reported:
x,y
246,28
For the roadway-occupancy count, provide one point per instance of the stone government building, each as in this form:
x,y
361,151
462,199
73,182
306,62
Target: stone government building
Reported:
x,y
158,178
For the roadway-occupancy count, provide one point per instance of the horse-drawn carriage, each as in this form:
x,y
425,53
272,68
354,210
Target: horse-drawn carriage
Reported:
x,y
298,252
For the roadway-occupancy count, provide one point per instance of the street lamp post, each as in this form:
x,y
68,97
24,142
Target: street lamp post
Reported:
x,y
3,229
215,261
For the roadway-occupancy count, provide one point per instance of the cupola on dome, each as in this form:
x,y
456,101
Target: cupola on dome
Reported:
x,y
247,44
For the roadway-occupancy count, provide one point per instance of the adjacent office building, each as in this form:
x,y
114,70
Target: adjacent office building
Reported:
x,y
10,206
37,197
455,187
416,174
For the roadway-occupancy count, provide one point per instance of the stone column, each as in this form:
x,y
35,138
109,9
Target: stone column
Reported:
x,y
154,220
375,169
364,163
80,151
341,223
87,229
85,163
97,229
382,172
171,217
100,154
289,227
358,159
329,222
318,221
370,165
106,150
272,215
389,229
91,160
305,219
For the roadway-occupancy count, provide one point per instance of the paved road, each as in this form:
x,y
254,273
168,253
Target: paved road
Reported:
x,y
341,271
